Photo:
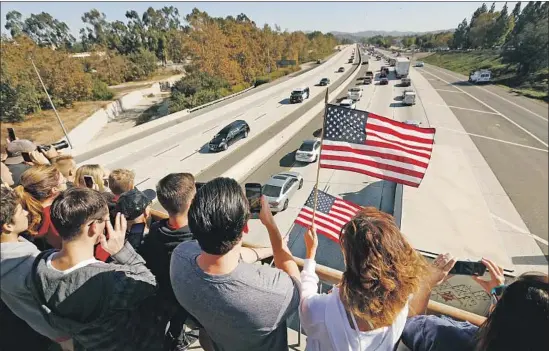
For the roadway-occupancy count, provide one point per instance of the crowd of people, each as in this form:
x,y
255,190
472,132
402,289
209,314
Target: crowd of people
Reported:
x,y
84,267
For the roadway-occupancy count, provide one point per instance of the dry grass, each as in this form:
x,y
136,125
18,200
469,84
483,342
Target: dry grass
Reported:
x,y
43,127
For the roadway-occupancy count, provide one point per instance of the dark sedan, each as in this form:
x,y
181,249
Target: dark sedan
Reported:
x,y
229,135
324,82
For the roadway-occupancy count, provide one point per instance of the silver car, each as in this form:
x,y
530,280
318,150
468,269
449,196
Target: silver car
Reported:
x,y
280,188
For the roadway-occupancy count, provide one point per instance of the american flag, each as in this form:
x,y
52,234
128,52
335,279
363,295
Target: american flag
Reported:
x,y
331,214
362,142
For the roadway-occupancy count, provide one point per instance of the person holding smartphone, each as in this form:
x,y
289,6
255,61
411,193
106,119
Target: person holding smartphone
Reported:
x,y
22,154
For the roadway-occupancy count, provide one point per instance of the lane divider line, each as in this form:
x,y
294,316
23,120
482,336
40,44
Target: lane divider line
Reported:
x,y
496,95
141,182
467,109
494,139
449,91
186,157
493,109
160,153
520,230
206,131
260,116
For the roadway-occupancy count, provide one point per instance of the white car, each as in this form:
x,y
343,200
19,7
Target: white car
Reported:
x,y
280,188
308,151
420,64
355,93
413,123
348,103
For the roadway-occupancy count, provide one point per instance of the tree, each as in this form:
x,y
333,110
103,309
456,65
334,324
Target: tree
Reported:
x,y
516,11
45,30
460,36
14,23
95,33
492,8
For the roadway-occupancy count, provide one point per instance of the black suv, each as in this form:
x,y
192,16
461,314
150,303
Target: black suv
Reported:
x,y
229,135
324,82
298,95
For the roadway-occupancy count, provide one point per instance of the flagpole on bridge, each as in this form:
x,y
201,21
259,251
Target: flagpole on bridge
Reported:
x,y
320,153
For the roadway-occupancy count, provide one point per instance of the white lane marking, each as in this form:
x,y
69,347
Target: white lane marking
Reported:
x,y
490,138
493,109
449,91
520,230
501,97
463,108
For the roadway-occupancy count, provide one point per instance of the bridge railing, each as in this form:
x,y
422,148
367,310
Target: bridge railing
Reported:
x,y
333,276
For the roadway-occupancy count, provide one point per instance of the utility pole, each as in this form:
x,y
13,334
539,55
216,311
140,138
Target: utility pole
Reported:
x,y
52,105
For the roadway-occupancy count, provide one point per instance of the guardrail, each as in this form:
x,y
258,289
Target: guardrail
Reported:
x,y
219,100
333,276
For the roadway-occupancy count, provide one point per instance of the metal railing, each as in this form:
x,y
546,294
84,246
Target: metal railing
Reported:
x,y
333,276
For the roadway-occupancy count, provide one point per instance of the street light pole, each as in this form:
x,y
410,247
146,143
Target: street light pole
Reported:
x,y
52,105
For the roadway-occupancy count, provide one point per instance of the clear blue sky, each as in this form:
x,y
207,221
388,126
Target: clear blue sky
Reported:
x,y
323,16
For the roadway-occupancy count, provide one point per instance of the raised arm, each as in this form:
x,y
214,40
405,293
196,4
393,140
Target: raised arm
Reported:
x,y
283,258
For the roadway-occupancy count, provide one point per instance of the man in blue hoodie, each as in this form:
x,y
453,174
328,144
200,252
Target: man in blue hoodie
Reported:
x,y
17,255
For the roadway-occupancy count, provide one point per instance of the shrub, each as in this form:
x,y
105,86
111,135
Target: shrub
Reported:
x,y
101,91
142,65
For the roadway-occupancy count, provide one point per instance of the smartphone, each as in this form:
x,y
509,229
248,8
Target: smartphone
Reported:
x,y
26,157
468,268
11,134
253,194
198,185
89,181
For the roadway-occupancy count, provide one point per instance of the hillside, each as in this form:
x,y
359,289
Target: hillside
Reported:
x,y
533,85
373,33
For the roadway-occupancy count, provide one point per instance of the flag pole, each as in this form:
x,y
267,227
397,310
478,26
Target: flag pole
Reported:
x,y
320,153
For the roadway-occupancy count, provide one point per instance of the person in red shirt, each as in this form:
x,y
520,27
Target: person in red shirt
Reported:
x,y
39,186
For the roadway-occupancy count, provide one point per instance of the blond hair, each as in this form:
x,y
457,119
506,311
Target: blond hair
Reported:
x,y
64,163
36,185
95,171
121,180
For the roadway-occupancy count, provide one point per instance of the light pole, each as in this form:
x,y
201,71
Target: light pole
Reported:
x,y
52,105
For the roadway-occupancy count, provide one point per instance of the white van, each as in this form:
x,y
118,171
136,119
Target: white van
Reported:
x,y
354,94
482,76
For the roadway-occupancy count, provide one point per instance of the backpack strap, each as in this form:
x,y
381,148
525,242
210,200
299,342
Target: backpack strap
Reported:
x,y
35,283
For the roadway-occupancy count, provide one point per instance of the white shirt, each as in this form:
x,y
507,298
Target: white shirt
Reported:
x,y
325,321
73,268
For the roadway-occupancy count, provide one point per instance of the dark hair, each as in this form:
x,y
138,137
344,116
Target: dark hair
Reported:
x,y
520,319
381,268
174,192
73,208
8,204
218,214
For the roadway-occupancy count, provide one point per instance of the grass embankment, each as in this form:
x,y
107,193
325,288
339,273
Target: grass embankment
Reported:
x,y
534,85
43,128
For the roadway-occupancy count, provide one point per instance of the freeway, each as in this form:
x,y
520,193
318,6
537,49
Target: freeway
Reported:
x,y
511,133
184,147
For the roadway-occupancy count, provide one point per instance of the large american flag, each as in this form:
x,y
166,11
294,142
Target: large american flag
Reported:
x,y
331,214
362,142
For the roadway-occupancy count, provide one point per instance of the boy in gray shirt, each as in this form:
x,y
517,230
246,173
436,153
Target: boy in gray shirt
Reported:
x,y
241,306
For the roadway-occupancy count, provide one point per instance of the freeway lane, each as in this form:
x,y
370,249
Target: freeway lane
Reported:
x,y
184,146
512,136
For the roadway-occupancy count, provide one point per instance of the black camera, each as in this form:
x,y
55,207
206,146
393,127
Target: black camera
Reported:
x,y
63,144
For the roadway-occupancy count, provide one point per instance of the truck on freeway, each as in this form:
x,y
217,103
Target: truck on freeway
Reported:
x,y
402,67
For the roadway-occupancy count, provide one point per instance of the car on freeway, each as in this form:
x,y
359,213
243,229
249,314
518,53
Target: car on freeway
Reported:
x,y
378,58
319,61
365,62
419,64
324,82
409,97
405,82
370,74
383,81
384,69
280,188
341,69
347,103
230,134
413,123
299,94
367,80
354,93
308,151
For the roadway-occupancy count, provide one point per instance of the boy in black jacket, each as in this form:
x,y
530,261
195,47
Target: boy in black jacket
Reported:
x,y
175,193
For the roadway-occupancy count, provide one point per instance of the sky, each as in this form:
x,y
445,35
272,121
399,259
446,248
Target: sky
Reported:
x,y
306,16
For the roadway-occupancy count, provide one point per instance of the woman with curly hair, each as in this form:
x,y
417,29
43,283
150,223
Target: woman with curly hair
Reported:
x,y
384,281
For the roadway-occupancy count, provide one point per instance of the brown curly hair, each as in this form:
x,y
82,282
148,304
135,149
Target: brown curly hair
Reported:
x,y
381,268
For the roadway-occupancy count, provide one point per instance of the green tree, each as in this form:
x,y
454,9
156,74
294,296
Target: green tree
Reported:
x,y
14,23
460,36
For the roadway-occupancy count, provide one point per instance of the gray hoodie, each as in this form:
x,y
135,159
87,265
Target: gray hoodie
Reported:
x,y
16,263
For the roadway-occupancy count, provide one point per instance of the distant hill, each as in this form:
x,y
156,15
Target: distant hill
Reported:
x,y
372,33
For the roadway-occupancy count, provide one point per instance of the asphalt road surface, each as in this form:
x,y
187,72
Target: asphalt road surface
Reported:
x,y
511,133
